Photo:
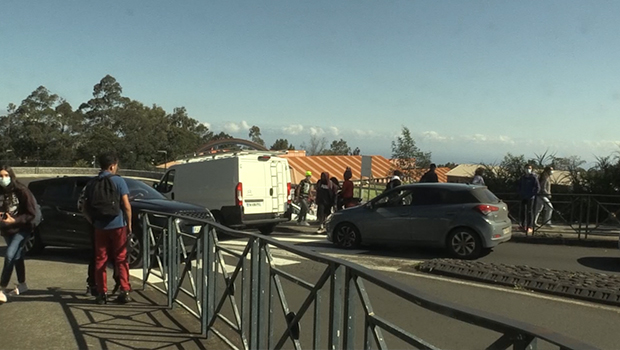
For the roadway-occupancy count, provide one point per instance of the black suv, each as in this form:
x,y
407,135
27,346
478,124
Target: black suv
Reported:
x,y
63,225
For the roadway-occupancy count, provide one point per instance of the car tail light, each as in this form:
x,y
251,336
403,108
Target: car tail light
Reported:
x,y
288,193
239,195
485,209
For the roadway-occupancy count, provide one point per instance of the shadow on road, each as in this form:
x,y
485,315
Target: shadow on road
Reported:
x,y
143,324
608,264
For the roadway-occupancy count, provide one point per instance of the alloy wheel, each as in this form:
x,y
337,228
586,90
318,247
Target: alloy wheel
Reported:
x,y
346,236
463,243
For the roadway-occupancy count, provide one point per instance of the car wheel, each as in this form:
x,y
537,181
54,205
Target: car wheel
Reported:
x,y
33,244
266,230
464,243
134,251
347,236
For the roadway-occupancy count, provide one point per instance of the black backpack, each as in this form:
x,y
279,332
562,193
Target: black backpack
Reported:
x,y
102,198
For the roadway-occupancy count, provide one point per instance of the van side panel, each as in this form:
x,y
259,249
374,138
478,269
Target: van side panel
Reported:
x,y
210,184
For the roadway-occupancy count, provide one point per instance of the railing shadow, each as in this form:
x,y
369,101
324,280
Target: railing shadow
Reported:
x,y
139,325
607,264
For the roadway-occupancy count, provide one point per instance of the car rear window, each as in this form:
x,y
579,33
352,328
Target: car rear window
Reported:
x,y
485,196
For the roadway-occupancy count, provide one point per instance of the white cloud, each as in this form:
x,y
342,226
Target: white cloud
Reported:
x,y
433,135
294,129
334,130
506,139
316,131
208,125
245,125
231,127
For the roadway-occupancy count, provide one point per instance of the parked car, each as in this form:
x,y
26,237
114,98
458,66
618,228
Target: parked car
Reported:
x,y
64,226
467,220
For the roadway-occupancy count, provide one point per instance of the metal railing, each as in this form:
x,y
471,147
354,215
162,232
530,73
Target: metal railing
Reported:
x,y
583,214
267,302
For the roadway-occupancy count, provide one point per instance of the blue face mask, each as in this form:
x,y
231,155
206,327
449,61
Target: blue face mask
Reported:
x,y
5,181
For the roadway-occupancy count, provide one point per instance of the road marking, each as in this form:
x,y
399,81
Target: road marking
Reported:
x,y
502,289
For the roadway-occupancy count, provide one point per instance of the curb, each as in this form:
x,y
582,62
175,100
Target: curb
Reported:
x,y
593,287
609,243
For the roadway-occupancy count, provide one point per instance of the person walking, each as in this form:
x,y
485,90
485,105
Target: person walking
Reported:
x,y
478,179
528,187
303,195
325,199
543,200
18,215
347,189
430,175
106,206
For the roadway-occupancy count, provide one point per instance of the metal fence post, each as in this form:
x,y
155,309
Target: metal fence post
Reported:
x,y
337,285
349,311
146,245
254,293
169,251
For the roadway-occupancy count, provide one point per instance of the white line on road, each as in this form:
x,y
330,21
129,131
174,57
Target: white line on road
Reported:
x,y
502,289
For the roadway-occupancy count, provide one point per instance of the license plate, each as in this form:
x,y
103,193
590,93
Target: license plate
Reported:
x,y
506,231
196,229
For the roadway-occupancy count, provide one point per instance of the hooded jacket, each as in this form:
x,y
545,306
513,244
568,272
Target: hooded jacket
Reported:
x,y
325,190
20,204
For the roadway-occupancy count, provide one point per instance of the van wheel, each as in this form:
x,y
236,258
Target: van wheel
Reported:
x,y
134,251
33,244
267,229
464,243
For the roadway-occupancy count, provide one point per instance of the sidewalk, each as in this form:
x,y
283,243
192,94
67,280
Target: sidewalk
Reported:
x,y
56,314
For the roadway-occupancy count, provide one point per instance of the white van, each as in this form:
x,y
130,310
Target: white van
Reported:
x,y
245,189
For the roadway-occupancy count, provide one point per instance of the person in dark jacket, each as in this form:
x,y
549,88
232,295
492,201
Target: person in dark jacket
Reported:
x,y
430,175
528,187
325,199
18,214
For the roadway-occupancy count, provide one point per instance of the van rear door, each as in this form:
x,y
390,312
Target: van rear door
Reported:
x,y
278,192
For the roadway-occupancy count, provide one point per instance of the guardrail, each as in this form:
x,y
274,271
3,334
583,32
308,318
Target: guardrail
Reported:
x,y
585,214
268,303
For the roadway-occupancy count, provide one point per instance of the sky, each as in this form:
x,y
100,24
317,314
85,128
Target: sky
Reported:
x,y
472,80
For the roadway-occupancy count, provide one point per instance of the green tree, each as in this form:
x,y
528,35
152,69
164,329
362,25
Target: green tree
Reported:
x,y
281,145
255,135
407,155
356,152
339,147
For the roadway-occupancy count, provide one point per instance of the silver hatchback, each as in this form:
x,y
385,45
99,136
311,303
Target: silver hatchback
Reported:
x,y
467,220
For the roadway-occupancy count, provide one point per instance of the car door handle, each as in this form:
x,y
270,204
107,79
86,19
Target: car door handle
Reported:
x,y
271,191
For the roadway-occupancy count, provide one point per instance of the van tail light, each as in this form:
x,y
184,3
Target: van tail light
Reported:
x,y
288,193
485,209
239,194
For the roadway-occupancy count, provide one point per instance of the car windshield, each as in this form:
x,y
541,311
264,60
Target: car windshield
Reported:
x,y
138,190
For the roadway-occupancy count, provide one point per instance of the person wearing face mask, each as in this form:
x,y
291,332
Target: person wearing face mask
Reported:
x,y
528,187
543,201
18,215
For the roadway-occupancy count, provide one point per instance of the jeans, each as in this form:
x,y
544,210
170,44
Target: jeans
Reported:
x,y
114,241
543,202
14,258
527,213
303,211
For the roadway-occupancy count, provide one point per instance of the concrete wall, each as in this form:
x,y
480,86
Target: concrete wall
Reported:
x,y
56,171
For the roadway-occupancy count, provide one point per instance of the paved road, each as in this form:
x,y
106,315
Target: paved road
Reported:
x,y
589,322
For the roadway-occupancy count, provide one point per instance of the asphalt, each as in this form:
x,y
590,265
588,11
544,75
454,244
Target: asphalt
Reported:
x,y
56,314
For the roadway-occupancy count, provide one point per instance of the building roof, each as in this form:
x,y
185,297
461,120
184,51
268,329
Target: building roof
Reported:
x,y
335,166
440,171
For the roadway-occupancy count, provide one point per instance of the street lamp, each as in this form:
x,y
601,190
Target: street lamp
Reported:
x,y
165,158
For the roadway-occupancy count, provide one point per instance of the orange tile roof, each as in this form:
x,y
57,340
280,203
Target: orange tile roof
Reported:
x,y
335,166
442,174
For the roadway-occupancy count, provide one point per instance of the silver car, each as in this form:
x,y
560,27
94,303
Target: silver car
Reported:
x,y
467,220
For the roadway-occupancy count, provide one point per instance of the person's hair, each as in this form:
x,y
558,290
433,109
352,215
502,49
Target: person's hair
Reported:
x,y
398,173
335,181
107,159
347,174
527,166
479,171
433,166
546,173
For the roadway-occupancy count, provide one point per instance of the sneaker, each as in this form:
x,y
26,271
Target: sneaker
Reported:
x,y
530,231
20,288
102,299
305,223
92,291
3,298
124,298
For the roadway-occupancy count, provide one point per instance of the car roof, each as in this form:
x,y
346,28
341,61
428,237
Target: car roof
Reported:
x,y
442,185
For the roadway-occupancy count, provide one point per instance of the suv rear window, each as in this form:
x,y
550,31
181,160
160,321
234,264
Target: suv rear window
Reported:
x,y
485,196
